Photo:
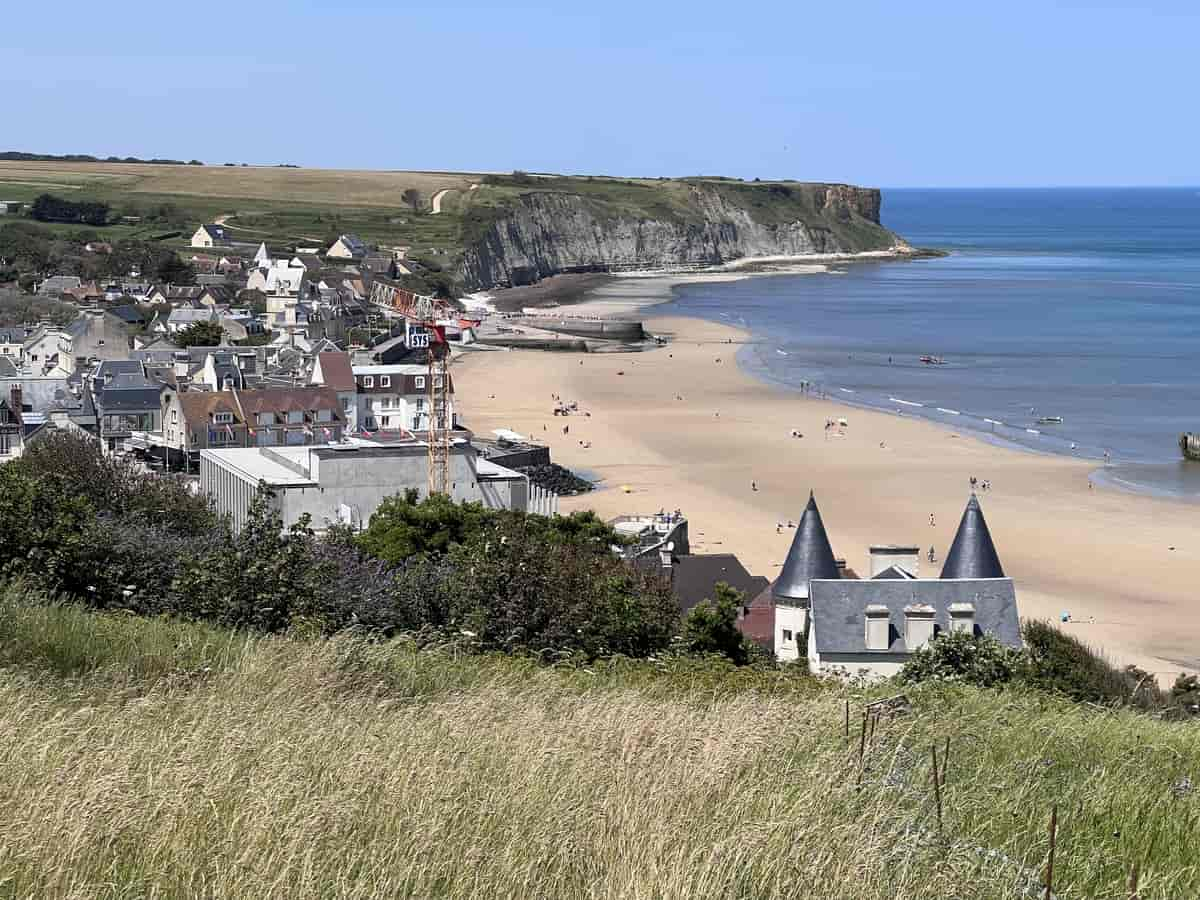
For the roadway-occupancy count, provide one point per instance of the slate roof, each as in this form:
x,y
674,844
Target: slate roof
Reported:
x,y
694,578
898,573
836,614
809,557
972,555
216,232
354,244
14,335
7,368
128,391
336,372
129,314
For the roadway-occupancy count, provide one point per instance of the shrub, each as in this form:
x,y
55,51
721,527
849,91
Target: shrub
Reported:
x,y
711,627
977,659
1063,664
517,591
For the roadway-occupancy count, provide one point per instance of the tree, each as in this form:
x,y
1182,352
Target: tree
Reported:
x,y
200,334
173,270
711,626
412,197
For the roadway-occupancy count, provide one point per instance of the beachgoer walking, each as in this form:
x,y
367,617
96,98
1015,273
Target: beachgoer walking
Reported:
x,y
931,523
931,556
754,485
974,482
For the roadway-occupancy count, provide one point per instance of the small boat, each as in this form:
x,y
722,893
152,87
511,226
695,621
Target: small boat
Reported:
x,y
933,360
1189,446
1050,420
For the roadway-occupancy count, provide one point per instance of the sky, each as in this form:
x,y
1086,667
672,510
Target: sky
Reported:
x,y
934,94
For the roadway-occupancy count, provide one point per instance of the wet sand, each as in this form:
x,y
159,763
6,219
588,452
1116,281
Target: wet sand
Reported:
x,y
1099,554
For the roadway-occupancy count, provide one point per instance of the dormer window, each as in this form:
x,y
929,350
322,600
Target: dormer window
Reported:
x,y
385,380
420,382
368,380
223,418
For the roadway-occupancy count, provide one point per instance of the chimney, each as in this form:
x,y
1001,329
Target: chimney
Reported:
x,y
878,625
918,625
884,556
962,617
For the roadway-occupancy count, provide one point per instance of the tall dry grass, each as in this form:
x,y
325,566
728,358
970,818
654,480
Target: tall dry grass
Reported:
x,y
285,768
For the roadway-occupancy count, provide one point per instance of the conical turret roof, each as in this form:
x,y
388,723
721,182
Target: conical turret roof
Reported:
x,y
810,556
972,555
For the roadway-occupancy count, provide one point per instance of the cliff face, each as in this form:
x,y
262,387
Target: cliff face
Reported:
x,y
540,233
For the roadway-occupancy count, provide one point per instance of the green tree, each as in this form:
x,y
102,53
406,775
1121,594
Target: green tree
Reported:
x,y
711,626
199,334
412,197
173,270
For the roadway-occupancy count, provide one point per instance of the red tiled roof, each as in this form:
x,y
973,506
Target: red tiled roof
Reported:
x,y
336,372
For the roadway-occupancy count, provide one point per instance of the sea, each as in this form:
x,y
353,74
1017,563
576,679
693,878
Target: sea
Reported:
x,y
1079,304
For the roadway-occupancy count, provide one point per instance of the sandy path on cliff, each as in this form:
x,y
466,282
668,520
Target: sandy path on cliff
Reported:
x,y
1097,553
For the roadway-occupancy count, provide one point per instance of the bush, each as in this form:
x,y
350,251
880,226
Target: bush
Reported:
x,y
961,656
710,627
514,590
1065,665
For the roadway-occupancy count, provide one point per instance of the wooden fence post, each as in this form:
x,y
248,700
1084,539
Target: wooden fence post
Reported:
x,y
937,788
1050,860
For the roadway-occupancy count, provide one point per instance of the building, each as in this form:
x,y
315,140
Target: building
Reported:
x,y
344,484
126,401
333,370
396,398
819,610
12,343
57,285
210,236
348,246
195,420
12,425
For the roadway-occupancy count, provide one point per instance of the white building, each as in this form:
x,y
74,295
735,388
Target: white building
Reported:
x,y
844,625
396,398
345,483
210,236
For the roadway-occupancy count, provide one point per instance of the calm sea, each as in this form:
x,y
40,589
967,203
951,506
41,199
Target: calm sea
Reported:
x,y
1079,303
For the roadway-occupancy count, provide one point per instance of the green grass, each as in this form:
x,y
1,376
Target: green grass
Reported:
x,y
342,768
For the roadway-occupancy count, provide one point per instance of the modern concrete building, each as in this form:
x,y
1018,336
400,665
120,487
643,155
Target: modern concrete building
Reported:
x,y
345,483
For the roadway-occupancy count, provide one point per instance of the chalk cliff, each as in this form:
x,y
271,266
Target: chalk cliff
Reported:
x,y
581,225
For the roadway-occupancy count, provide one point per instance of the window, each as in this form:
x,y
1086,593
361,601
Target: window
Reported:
x,y
345,404
787,636
295,417
174,416
223,418
4,445
324,415
420,381
437,381
267,418
368,381
385,421
385,380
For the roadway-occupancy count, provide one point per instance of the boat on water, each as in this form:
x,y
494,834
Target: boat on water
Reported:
x,y
1189,446
1050,420
933,360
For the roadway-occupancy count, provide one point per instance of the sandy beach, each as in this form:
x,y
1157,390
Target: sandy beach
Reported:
x,y
683,427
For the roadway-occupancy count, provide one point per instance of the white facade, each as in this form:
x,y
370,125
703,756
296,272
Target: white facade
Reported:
x,y
396,398
791,625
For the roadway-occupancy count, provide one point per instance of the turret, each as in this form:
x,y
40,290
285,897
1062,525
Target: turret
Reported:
x,y
972,555
809,557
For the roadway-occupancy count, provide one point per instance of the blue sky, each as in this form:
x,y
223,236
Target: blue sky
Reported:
x,y
890,94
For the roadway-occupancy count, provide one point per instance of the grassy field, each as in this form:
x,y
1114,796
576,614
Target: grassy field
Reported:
x,y
155,759
339,187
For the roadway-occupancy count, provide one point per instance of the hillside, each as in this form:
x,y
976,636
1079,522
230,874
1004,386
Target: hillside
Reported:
x,y
487,229
151,758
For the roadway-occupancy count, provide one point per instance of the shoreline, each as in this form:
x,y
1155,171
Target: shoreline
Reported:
x,y
572,291
1119,562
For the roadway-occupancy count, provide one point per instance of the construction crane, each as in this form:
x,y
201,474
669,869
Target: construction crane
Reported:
x,y
423,331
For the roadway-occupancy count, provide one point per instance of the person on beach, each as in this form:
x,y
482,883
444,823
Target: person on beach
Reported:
x,y
754,485
974,482
931,556
931,523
